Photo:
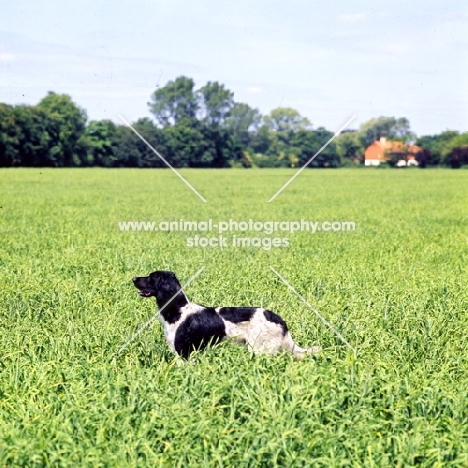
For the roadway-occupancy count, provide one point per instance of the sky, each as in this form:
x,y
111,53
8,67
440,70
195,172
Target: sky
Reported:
x,y
329,60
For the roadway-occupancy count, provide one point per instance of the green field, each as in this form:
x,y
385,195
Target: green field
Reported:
x,y
396,288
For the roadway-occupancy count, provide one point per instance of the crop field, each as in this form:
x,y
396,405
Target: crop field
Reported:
x,y
396,288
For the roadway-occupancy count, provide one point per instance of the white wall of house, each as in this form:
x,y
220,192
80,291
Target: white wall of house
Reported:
x,y
372,162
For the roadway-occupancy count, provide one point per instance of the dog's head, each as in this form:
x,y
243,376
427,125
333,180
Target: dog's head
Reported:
x,y
160,284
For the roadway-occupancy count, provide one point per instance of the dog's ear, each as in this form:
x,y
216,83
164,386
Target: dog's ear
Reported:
x,y
154,279
162,278
165,283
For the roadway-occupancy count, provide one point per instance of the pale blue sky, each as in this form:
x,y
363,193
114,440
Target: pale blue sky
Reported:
x,y
329,60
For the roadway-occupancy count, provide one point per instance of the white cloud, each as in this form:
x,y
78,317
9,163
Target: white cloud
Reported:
x,y
6,57
397,49
352,18
382,14
255,90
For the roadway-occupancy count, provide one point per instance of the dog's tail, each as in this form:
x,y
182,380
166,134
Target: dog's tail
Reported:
x,y
297,351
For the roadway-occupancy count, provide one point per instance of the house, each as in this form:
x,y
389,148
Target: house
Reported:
x,y
380,150
413,150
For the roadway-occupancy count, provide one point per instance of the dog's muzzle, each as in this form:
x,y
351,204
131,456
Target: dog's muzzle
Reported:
x,y
144,293
141,289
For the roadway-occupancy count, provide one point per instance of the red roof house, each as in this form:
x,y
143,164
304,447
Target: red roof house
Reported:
x,y
378,152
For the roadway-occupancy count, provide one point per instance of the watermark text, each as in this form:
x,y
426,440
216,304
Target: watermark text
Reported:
x,y
232,233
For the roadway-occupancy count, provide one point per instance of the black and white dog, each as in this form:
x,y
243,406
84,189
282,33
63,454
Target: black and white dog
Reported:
x,y
190,327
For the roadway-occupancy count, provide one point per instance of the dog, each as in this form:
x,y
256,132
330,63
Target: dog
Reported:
x,y
190,327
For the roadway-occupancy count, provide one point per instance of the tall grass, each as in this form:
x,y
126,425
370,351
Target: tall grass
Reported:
x,y
396,288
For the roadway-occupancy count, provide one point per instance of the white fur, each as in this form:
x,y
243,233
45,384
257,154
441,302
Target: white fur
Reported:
x,y
259,334
171,328
263,336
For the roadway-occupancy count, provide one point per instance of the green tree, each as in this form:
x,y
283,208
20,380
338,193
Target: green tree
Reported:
x,y
285,119
309,142
261,139
127,151
458,157
242,121
220,147
35,141
64,123
282,150
131,151
349,146
175,101
100,139
389,127
423,158
459,140
185,144
439,146
9,137
191,143
216,102
278,131
24,139
459,154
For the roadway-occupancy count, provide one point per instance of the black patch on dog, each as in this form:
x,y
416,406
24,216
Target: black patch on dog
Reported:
x,y
198,331
237,314
275,318
163,285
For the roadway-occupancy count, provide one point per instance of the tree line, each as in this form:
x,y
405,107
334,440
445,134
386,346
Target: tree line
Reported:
x,y
202,127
